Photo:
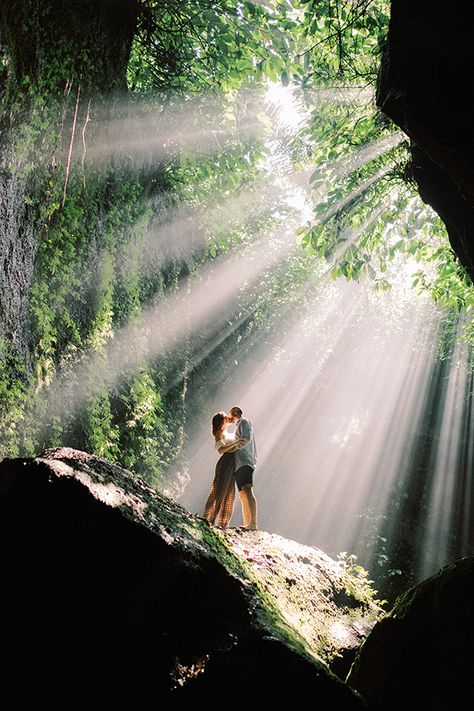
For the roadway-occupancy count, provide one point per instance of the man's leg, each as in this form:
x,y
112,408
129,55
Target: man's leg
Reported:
x,y
249,507
245,507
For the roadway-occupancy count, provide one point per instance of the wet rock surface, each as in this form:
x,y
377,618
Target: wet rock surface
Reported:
x,y
114,594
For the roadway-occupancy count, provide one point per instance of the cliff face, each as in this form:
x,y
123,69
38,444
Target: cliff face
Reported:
x,y
75,205
113,592
18,244
424,87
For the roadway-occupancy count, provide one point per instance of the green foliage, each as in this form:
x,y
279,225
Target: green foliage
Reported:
x,y
346,38
13,393
143,432
101,435
369,216
194,46
207,63
348,563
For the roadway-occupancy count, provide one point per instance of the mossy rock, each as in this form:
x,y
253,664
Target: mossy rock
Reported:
x,y
116,592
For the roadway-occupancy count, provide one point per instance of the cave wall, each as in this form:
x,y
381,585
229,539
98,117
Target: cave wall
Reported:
x,y
424,87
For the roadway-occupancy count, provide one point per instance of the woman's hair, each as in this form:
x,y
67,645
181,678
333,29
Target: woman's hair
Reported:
x,y
217,425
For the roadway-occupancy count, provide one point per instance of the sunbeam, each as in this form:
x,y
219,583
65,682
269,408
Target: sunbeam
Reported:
x,y
448,497
156,132
342,95
336,403
367,153
354,193
206,300
182,232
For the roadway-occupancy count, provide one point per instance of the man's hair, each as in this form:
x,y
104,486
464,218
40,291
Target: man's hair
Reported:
x,y
236,411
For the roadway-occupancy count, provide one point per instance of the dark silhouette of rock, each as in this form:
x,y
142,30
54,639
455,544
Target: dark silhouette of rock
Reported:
x,y
424,87
420,655
113,594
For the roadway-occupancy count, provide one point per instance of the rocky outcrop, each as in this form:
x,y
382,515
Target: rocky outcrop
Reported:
x,y
112,593
420,655
326,601
424,87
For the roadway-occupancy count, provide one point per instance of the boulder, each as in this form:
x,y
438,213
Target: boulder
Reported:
x,y
420,655
113,593
329,603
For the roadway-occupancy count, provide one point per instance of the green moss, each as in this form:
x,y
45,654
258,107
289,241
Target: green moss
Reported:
x,y
87,284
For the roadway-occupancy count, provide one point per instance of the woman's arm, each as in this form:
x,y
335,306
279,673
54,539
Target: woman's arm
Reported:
x,y
231,447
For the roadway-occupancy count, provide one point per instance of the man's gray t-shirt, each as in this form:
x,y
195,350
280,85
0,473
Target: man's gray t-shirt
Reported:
x,y
246,454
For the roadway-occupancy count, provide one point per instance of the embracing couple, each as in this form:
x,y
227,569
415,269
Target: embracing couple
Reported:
x,y
235,466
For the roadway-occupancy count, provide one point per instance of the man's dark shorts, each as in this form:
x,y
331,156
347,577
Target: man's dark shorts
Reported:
x,y
243,476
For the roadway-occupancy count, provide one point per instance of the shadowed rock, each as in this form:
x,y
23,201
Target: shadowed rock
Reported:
x,y
424,87
421,655
112,593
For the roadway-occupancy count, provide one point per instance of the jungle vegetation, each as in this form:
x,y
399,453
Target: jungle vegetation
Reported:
x,y
92,196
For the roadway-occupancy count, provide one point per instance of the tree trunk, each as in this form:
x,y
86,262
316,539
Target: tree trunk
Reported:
x,y
51,41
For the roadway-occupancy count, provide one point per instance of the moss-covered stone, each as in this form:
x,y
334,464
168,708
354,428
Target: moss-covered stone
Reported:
x,y
318,597
100,566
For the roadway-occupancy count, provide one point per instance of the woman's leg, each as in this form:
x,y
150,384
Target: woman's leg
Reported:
x,y
210,509
226,503
220,502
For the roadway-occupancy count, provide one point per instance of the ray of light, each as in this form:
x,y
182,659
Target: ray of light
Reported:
x,y
337,407
448,499
206,299
356,192
154,132
366,153
341,95
181,232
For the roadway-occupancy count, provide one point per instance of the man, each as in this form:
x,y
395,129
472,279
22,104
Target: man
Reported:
x,y
245,460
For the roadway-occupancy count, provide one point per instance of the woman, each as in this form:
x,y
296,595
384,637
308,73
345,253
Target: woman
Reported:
x,y
220,503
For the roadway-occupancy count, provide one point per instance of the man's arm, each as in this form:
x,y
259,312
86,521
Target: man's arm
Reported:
x,y
245,434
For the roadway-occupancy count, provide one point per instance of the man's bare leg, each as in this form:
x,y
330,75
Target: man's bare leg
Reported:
x,y
249,507
245,507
